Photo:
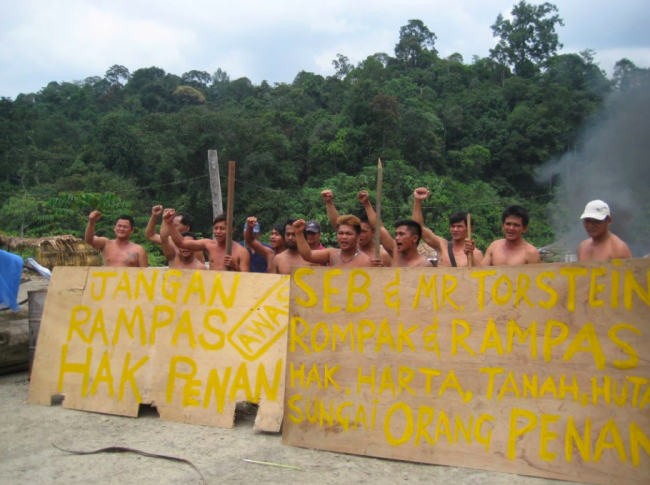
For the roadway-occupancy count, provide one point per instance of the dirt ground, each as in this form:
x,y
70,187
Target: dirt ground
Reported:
x,y
27,455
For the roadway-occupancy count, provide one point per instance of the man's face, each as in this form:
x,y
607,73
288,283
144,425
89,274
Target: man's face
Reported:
x,y
596,228
185,253
458,231
404,240
365,237
276,239
347,237
219,231
513,228
290,237
179,225
313,238
123,229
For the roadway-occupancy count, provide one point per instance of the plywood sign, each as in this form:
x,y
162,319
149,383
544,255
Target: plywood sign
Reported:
x,y
191,343
539,370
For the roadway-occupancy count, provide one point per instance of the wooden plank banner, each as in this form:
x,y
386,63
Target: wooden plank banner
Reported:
x,y
192,343
539,370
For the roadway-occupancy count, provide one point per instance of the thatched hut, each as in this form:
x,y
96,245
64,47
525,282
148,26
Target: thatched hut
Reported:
x,y
54,251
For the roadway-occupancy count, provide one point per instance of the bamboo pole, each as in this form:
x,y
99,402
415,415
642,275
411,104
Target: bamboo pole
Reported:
x,y
229,208
378,209
470,256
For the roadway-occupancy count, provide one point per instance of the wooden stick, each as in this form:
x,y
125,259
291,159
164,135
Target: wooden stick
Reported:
x,y
470,256
378,209
229,209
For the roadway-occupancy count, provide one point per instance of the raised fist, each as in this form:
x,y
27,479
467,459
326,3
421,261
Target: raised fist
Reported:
x,y
300,225
251,222
327,195
156,210
94,216
421,193
168,215
363,197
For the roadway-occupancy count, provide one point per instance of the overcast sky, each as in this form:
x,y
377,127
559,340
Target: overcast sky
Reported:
x,y
57,40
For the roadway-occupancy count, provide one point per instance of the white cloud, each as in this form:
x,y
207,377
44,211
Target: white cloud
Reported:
x,y
41,41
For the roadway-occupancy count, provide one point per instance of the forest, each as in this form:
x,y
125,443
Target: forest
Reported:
x,y
473,131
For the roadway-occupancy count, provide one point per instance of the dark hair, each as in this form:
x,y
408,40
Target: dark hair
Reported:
x,y
364,219
288,223
280,229
126,218
460,216
186,219
516,211
414,228
222,218
188,233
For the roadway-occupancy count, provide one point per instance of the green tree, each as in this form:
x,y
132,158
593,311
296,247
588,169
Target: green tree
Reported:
x,y
416,44
529,39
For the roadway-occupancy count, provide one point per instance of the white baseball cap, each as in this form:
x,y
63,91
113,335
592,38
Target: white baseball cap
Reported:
x,y
596,209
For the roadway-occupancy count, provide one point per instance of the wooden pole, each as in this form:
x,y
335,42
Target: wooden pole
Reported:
x,y
470,256
229,208
378,209
215,183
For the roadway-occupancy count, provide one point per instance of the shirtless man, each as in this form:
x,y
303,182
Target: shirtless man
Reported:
x,y
119,252
180,258
367,236
602,245
513,249
347,236
404,248
216,248
183,222
283,262
457,228
268,253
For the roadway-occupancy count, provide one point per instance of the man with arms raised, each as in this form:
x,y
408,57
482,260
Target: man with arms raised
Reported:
x,y
216,248
183,222
268,253
450,253
404,248
602,244
367,235
347,235
118,252
283,262
179,258
513,249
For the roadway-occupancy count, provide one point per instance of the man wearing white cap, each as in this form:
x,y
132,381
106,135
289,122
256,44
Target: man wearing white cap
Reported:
x,y
602,245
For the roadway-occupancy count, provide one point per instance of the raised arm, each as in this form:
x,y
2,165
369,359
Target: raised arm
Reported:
x,y
319,256
150,231
332,213
428,236
96,242
384,236
254,244
191,244
168,249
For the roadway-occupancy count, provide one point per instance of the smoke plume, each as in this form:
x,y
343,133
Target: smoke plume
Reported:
x,y
613,165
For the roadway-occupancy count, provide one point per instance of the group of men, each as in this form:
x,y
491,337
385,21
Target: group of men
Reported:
x,y
297,242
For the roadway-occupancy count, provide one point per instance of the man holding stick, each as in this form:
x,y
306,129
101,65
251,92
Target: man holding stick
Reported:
x,y
367,235
119,252
513,249
216,248
347,236
404,248
450,253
